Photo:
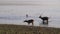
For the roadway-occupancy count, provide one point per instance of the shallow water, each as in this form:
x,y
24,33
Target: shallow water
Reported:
x,y
15,14
37,21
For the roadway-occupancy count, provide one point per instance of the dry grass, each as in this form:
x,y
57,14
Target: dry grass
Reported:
x,y
22,29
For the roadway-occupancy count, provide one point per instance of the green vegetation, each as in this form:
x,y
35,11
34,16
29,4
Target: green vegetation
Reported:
x,y
22,29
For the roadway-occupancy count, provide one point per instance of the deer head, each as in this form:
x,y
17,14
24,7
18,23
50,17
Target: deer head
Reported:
x,y
25,21
40,16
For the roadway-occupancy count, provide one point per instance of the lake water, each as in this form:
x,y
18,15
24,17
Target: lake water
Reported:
x,y
16,15
37,22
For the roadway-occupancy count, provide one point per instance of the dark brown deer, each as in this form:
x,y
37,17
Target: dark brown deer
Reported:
x,y
29,21
44,19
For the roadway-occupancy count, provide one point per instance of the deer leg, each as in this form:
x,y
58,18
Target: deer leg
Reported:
x,y
43,21
32,24
47,21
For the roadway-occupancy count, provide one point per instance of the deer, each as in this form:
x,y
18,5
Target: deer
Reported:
x,y
29,21
44,19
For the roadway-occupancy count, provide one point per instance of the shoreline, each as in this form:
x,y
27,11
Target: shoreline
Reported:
x,y
24,29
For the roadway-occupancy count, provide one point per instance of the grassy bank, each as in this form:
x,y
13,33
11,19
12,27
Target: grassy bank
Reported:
x,y
22,29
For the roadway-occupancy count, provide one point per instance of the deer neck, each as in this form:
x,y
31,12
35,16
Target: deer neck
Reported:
x,y
40,17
